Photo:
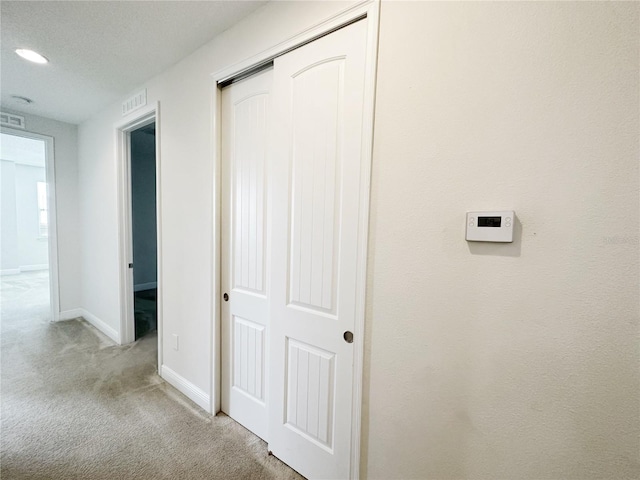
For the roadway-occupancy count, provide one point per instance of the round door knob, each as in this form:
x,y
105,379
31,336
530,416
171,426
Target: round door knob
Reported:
x,y
226,297
348,336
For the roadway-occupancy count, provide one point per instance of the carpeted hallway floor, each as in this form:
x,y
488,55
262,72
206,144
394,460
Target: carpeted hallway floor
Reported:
x,y
76,406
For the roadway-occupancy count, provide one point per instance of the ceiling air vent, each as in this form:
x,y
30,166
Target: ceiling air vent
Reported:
x,y
10,120
134,103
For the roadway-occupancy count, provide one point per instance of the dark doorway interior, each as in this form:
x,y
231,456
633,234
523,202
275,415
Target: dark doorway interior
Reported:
x,y
146,315
144,228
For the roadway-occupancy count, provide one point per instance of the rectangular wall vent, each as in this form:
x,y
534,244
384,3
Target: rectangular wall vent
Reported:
x,y
10,120
134,103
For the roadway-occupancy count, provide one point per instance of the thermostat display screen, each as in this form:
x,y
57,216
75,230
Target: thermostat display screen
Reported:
x,y
489,221
491,226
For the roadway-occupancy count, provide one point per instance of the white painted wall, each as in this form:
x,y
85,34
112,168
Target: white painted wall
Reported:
x,y
66,166
505,361
32,248
143,209
9,248
185,132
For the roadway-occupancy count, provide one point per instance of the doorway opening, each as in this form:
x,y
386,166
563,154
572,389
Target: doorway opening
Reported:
x,y
28,257
144,229
140,229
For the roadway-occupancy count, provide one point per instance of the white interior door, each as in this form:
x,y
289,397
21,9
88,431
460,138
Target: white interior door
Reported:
x,y
245,260
317,161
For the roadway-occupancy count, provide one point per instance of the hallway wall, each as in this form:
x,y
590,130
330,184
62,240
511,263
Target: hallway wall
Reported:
x,y
496,361
32,248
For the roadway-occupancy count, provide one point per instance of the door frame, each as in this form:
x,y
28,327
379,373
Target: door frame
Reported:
x,y
369,10
123,129
52,240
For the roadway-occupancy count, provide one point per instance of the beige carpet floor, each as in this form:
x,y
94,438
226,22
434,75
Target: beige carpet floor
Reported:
x,y
76,406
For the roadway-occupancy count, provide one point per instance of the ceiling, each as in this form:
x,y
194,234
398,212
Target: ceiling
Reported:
x,y
100,51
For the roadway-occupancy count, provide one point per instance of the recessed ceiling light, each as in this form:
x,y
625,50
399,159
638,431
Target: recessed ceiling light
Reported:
x,y
31,55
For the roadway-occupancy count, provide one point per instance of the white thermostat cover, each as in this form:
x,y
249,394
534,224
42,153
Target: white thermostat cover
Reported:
x,y
494,226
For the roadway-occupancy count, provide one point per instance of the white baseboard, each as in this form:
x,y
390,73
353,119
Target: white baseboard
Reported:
x,y
69,314
10,271
100,325
145,286
24,268
33,268
187,388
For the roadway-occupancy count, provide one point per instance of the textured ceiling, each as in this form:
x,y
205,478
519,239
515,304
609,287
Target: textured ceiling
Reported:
x,y
100,51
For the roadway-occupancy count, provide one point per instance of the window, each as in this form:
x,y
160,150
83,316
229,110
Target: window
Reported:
x,y
43,211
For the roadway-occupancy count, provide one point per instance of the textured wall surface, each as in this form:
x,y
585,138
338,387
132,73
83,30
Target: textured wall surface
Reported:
x,y
505,361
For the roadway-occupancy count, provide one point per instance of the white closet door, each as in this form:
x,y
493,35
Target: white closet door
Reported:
x,y
245,264
317,158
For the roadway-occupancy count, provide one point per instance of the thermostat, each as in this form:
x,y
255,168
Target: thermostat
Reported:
x,y
490,226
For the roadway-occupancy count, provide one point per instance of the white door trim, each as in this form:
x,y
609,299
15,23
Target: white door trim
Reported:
x,y
368,119
50,175
369,9
123,130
